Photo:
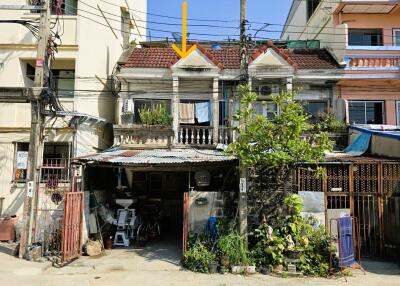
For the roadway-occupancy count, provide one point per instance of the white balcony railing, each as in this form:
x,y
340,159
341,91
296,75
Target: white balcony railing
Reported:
x,y
195,135
203,135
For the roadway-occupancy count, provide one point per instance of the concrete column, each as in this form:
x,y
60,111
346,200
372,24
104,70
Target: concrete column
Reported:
x,y
289,84
215,110
118,111
175,108
120,102
250,83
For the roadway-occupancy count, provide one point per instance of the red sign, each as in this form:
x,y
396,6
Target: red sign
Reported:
x,y
39,62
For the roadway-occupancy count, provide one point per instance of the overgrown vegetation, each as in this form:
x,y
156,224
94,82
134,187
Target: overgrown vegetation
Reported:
x,y
158,115
277,143
233,249
326,121
198,256
268,247
272,148
300,236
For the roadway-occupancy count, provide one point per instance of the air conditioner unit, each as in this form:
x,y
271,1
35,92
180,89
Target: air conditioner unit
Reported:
x,y
270,89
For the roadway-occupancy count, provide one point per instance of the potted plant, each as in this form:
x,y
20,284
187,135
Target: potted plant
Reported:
x,y
157,116
234,253
127,117
198,258
213,267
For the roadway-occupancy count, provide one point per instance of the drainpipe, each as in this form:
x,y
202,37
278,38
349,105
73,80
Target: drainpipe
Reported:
x,y
175,108
215,111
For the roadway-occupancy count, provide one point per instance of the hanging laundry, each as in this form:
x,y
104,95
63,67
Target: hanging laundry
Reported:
x,y
203,111
186,113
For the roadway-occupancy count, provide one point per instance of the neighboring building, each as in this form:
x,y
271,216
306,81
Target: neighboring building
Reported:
x,y
82,70
365,37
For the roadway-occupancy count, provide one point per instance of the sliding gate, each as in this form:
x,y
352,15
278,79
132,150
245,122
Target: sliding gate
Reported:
x,y
370,190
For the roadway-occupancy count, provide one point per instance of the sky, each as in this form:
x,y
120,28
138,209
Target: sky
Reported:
x,y
262,11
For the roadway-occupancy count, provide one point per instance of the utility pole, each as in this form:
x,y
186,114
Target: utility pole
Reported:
x,y
37,129
244,79
244,73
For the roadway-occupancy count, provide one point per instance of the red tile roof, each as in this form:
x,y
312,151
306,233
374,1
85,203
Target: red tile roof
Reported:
x,y
312,58
229,58
152,58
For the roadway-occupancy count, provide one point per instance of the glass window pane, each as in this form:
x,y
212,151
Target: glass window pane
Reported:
x,y
316,108
365,37
398,113
357,112
267,109
374,112
258,108
396,37
271,110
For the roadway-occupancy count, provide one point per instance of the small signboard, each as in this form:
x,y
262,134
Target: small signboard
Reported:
x,y
29,189
242,185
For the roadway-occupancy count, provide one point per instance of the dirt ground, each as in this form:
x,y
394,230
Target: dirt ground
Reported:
x,y
160,266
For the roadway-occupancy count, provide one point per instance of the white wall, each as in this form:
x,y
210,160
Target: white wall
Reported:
x,y
92,49
320,26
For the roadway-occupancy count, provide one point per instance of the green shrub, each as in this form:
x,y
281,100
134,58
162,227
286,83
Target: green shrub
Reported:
x,y
295,233
158,115
268,251
233,247
197,257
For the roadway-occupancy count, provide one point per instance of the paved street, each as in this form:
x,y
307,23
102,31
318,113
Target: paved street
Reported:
x,y
157,267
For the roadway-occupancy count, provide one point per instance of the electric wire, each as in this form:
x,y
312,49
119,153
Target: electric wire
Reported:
x,y
216,26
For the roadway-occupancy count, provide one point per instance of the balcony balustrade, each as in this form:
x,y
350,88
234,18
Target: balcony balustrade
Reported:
x,y
374,62
144,136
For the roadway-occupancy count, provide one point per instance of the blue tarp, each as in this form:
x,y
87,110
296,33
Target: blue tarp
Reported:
x,y
346,252
359,146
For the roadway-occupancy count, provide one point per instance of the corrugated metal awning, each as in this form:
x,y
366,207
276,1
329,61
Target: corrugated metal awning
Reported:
x,y
156,157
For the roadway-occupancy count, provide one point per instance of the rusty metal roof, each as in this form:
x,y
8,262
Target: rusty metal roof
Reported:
x,y
157,157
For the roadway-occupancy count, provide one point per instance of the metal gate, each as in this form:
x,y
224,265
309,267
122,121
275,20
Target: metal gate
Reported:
x,y
371,191
72,228
185,221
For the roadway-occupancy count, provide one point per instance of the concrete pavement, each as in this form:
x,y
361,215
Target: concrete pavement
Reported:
x,y
158,266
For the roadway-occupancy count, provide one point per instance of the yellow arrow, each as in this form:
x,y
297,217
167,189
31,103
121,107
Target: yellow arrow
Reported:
x,y
184,52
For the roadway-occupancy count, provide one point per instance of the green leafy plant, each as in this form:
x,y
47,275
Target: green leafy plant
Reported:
x,y
277,142
315,257
326,121
233,247
197,257
158,115
268,251
295,234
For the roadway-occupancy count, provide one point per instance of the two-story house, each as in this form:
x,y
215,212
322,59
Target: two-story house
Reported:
x,y
92,36
365,37
180,166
